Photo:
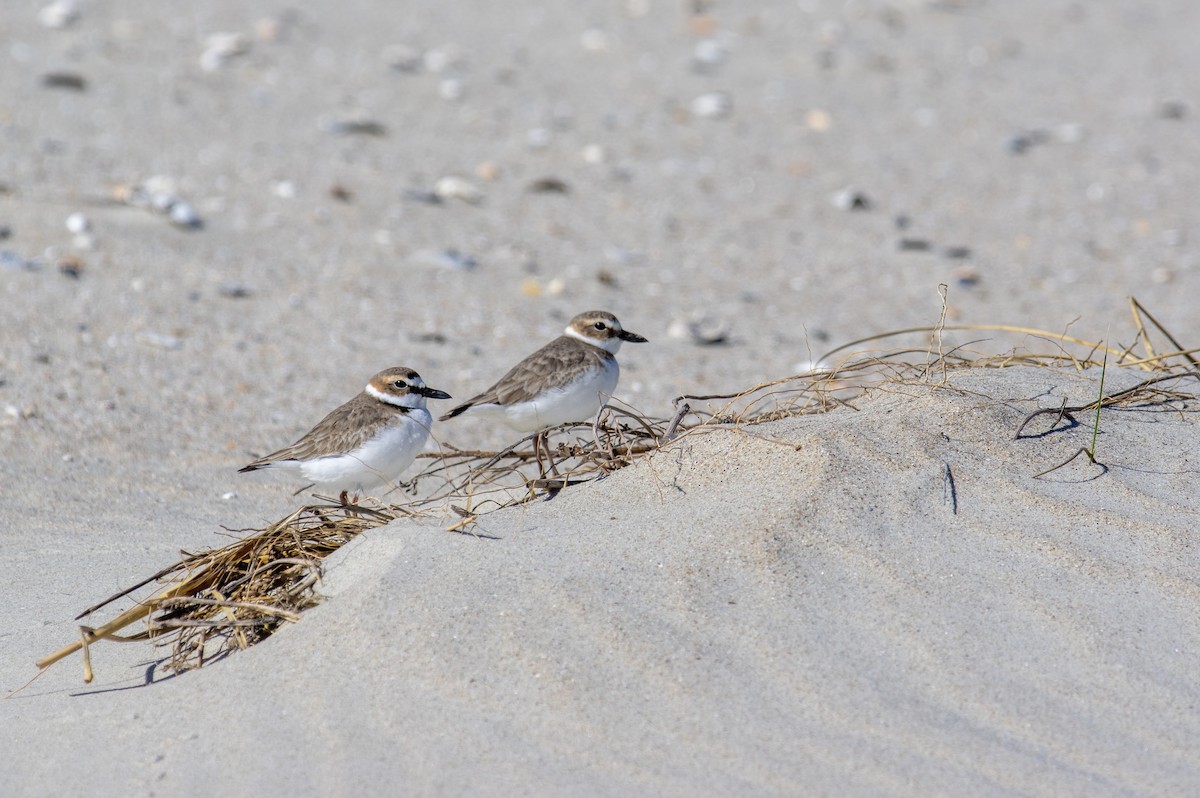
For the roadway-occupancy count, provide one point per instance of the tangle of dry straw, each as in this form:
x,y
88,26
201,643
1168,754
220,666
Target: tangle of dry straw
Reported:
x,y
211,603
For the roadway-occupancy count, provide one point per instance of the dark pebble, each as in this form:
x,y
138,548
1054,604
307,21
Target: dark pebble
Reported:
x,y
957,253
366,127
71,266
233,290
549,185
914,245
1021,142
64,80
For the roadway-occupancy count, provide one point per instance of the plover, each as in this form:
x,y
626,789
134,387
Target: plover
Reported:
x,y
568,379
368,441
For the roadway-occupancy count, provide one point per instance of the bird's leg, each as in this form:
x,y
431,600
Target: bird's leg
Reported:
x,y
537,454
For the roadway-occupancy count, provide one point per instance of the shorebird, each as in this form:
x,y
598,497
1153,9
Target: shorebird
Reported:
x,y
568,379
368,441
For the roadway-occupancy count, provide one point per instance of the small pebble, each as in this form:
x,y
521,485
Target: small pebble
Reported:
x,y
914,245
487,171
220,47
594,154
402,58
355,127
700,329
712,105
64,80
284,189
818,119
549,185
58,14
965,276
71,266
849,199
957,253
184,215
78,223
233,290
708,53
1019,143
230,496
451,187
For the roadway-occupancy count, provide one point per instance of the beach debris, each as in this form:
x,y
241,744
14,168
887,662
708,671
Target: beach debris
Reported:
x,y
965,276
340,193
1022,142
78,223
219,48
234,290
453,187
12,260
593,154
284,189
354,127
708,54
445,258
487,171
64,80
956,252
59,14
402,58
548,185
157,194
712,105
818,119
71,266
701,329
851,199
158,340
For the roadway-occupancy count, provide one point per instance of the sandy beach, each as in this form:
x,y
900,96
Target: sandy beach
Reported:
x,y
217,222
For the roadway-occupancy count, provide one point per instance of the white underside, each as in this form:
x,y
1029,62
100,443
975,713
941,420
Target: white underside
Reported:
x,y
381,460
578,401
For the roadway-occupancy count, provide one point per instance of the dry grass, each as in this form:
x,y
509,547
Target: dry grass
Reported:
x,y
214,602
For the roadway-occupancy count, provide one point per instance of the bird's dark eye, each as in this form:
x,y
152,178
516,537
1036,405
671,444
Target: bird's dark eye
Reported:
x,y
600,325
399,384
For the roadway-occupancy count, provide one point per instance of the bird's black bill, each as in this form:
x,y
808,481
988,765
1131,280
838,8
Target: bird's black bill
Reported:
x,y
633,338
432,393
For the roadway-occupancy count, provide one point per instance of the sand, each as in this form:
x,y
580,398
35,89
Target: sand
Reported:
x,y
808,609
